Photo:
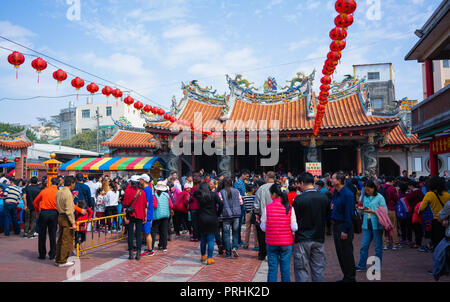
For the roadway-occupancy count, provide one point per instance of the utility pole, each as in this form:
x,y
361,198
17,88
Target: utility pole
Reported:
x,y
97,117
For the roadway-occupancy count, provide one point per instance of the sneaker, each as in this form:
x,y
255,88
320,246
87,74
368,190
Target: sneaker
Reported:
x,y
210,261
235,253
385,247
203,258
422,249
164,250
145,253
66,264
395,248
360,269
35,234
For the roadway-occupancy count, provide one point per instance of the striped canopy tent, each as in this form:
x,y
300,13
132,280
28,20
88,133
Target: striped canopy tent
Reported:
x,y
112,164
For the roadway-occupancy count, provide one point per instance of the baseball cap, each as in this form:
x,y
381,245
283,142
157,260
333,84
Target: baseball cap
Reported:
x,y
145,177
135,178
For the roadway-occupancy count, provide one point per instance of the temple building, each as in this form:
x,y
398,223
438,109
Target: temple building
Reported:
x,y
352,137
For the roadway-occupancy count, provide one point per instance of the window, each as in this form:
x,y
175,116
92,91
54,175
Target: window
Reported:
x,y
108,111
373,75
446,63
418,164
86,113
377,103
85,130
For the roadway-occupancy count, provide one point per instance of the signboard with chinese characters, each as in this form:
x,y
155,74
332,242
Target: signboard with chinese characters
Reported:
x,y
34,173
440,145
314,168
9,154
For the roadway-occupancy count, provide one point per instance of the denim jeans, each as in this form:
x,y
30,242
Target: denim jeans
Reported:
x,y
204,240
10,212
369,235
241,222
281,255
135,234
228,224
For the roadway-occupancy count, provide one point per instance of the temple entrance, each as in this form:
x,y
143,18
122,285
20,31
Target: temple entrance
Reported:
x,y
388,167
338,158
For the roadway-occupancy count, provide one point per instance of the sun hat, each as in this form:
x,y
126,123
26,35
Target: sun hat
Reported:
x,y
161,186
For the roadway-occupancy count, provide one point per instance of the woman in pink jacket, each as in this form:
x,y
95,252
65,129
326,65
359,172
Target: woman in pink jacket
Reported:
x,y
279,223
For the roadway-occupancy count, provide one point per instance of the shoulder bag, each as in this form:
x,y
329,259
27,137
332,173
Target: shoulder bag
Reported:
x,y
130,210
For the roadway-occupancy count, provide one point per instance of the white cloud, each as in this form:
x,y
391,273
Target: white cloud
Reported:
x,y
152,11
182,31
273,3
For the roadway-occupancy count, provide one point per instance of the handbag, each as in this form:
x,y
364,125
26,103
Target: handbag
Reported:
x,y
130,210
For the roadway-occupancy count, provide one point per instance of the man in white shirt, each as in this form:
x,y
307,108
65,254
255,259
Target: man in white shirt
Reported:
x,y
93,186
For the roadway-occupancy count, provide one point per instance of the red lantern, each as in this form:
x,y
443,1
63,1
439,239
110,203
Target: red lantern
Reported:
x,y
107,91
161,111
325,80
320,108
330,64
345,6
5,159
77,83
173,119
92,88
343,20
334,55
128,100
322,97
154,110
60,75
338,45
327,72
147,108
338,33
117,93
17,159
167,116
324,93
325,87
16,59
39,64
138,105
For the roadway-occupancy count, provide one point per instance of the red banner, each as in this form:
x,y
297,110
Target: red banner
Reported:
x,y
440,145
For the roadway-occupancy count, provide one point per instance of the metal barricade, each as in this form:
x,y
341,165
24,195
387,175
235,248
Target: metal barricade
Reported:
x,y
104,231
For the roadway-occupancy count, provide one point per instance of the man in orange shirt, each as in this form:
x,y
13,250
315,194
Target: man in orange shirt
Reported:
x,y
45,207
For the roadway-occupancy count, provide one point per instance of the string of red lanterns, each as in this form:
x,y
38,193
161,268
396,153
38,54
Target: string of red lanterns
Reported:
x,y
345,8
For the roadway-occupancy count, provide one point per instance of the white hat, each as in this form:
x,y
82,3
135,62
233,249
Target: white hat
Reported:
x,y
145,177
161,186
188,185
135,178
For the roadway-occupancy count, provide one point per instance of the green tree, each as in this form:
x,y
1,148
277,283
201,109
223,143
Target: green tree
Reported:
x,y
85,141
11,129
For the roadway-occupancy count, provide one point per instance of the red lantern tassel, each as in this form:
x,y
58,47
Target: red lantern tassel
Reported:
x,y
17,73
38,77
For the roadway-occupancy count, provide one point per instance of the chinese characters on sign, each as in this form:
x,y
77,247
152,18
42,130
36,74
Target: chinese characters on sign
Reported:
x,y
440,145
314,168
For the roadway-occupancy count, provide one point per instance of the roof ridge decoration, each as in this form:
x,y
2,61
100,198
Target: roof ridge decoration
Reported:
x,y
5,136
297,87
124,124
205,95
348,86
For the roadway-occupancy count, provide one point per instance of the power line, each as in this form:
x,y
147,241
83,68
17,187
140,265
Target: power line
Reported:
x,y
81,70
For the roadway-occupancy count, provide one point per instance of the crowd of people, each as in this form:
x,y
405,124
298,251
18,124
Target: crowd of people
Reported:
x,y
288,217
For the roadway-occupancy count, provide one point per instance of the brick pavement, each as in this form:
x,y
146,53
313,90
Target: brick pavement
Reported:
x,y
18,262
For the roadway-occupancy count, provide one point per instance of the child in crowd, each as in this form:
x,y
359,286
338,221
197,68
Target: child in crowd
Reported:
x,y
249,203
80,235
100,207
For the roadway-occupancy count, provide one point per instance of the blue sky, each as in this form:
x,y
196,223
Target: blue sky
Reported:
x,y
151,46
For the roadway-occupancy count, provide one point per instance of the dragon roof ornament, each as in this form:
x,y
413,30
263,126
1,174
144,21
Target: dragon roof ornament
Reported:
x,y
124,124
206,95
297,87
5,136
348,86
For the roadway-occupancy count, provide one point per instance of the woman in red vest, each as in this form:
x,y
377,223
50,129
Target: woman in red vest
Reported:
x,y
280,224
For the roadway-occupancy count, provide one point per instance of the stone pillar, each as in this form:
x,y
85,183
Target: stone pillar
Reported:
x,y
370,160
224,164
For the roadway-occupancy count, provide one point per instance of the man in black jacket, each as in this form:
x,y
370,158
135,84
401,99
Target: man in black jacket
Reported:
x,y
311,209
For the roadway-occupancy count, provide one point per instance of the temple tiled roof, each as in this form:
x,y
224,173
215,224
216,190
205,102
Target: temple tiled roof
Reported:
x,y
19,141
129,139
398,137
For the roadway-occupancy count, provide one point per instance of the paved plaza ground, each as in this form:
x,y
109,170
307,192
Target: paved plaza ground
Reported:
x,y
19,262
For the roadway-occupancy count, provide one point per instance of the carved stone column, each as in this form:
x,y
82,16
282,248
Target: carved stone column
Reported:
x,y
224,164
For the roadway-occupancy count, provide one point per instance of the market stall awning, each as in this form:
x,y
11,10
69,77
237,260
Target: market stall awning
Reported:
x,y
8,165
111,164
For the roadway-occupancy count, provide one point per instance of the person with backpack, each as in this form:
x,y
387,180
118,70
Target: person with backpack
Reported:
x,y
403,211
413,198
436,198
391,197
280,224
210,209
372,229
162,204
231,214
